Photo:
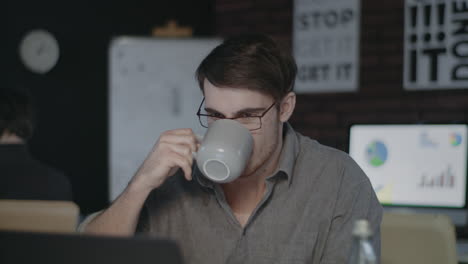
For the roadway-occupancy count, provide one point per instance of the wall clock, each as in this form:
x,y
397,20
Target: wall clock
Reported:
x,y
39,51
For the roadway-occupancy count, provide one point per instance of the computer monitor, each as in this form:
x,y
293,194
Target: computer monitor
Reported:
x,y
417,167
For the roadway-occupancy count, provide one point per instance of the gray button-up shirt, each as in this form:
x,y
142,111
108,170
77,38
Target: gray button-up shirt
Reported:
x,y
306,215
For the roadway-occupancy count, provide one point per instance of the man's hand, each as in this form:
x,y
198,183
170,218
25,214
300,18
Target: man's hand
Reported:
x,y
172,151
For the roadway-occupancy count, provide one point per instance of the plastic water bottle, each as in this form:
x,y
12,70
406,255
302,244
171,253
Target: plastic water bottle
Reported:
x,y
362,251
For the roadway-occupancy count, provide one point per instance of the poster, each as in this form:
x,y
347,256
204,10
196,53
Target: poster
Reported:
x,y
326,45
435,44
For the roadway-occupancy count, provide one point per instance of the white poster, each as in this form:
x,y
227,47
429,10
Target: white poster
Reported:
x,y
326,45
436,44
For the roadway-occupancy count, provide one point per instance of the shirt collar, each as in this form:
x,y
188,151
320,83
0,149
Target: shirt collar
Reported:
x,y
286,163
288,154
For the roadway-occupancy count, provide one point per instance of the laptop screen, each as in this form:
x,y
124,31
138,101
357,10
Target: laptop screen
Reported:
x,y
413,165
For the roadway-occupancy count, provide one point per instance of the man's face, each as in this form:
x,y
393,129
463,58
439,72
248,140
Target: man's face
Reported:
x,y
230,102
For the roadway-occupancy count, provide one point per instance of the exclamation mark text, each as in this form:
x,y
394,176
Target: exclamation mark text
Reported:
x,y
427,22
441,20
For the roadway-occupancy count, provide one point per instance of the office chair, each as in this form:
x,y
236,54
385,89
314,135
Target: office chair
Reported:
x,y
417,239
38,216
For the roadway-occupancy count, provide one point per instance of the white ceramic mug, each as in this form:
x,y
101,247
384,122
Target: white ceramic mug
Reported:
x,y
225,151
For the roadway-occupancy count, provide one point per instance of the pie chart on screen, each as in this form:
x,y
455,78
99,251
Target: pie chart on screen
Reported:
x,y
455,139
376,153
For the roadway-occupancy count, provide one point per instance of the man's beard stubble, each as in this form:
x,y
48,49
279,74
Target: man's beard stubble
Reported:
x,y
262,163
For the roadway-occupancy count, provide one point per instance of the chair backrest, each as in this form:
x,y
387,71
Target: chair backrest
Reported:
x,y
38,216
417,239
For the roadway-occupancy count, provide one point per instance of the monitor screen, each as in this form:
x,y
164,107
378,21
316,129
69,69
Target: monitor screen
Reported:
x,y
413,165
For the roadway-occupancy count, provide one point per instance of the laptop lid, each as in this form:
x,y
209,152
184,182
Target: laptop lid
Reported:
x,y
28,248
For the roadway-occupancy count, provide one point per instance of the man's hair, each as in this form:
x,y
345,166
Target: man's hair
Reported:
x,y
16,112
251,61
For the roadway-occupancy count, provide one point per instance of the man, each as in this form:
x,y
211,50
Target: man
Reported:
x,y
296,201
21,176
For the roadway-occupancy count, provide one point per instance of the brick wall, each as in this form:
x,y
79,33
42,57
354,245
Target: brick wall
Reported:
x,y
380,99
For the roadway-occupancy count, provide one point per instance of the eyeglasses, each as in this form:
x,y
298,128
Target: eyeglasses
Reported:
x,y
250,121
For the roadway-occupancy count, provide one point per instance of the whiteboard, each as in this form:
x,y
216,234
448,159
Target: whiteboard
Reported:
x,y
152,88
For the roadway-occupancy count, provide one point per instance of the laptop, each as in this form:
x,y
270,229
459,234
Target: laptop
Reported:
x,y
53,248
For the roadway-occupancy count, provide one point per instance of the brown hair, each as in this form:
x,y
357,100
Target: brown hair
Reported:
x,y
251,61
16,112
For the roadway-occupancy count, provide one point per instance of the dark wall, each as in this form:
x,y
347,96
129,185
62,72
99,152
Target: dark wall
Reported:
x,y
71,100
381,97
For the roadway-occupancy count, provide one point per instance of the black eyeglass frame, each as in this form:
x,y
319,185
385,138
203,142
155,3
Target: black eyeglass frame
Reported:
x,y
200,115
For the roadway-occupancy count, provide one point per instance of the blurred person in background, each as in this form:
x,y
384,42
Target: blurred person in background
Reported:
x,y
22,177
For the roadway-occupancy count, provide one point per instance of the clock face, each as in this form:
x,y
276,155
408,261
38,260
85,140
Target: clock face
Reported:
x,y
39,51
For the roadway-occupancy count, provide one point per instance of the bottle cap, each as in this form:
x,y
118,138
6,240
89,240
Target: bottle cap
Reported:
x,y
362,228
